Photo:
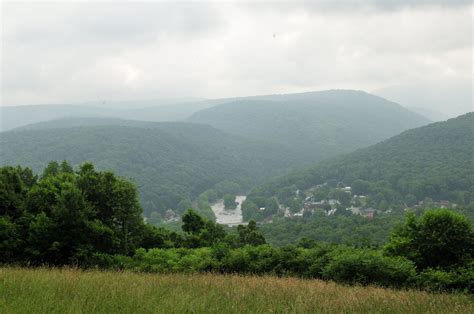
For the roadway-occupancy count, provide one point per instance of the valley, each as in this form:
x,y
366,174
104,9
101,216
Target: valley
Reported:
x,y
237,140
236,157
229,217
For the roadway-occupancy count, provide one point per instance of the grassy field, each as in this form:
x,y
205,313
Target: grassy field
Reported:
x,y
74,291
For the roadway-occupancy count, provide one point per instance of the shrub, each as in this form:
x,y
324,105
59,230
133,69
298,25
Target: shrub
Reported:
x,y
458,279
108,261
363,266
438,239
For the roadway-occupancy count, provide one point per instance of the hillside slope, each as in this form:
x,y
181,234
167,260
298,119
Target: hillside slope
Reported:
x,y
316,124
169,161
435,161
157,111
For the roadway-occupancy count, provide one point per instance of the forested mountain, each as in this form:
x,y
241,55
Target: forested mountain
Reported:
x,y
159,110
17,116
171,162
435,162
316,124
252,138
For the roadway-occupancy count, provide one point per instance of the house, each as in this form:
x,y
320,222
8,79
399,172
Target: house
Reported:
x,y
333,202
170,216
354,210
443,204
313,205
369,213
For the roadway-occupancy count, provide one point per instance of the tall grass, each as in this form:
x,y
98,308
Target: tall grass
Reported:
x,y
74,291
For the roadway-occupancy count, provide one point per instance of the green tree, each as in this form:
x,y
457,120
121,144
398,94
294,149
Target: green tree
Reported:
x,y
51,170
155,218
439,238
229,201
249,210
66,217
66,167
360,187
184,205
127,213
12,191
250,234
192,222
271,206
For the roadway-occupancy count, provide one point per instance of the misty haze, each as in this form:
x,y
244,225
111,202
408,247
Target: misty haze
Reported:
x,y
237,157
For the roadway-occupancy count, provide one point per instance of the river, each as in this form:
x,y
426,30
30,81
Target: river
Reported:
x,y
230,217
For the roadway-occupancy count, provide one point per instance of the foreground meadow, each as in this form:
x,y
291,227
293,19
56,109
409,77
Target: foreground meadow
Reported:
x,y
74,291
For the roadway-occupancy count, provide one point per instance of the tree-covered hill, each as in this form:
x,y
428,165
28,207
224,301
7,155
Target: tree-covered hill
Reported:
x,y
316,124
153,110
169,161
434,161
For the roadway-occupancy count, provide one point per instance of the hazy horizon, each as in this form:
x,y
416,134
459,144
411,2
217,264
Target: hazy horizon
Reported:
x,y
418,55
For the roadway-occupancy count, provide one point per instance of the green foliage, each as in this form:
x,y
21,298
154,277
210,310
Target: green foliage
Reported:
x,y
249,210
430,163
91,218
368,267
192,222
170,162
67,217
184,205
456,279
313,125
250,234
200,231
360,187
338,229
229,201
439,238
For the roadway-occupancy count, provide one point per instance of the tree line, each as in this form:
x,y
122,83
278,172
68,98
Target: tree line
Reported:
x,y
92,218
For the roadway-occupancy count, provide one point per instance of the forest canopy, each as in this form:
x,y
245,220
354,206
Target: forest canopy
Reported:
x,y
91,218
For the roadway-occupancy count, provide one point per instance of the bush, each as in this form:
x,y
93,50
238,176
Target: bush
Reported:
x,y
439,238
315,259
459,279
174,260
365,267
108,261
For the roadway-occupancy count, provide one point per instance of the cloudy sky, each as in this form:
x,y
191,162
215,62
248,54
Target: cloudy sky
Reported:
x,y
71,52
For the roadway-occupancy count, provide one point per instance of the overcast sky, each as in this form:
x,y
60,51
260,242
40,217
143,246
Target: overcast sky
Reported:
x,y
70,52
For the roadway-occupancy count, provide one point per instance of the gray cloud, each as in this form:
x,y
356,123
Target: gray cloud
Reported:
x,y
75,52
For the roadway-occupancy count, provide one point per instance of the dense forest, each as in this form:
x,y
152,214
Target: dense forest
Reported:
x,y
419,167
171,162
176,164
91,218
315,125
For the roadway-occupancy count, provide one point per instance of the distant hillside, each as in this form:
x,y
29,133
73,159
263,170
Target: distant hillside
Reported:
x,y
169,161
435,161
317,124
18,116
433,115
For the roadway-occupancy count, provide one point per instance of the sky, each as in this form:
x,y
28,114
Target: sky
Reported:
x,y
72,52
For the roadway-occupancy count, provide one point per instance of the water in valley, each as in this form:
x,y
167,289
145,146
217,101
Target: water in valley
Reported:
x,y
229,217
